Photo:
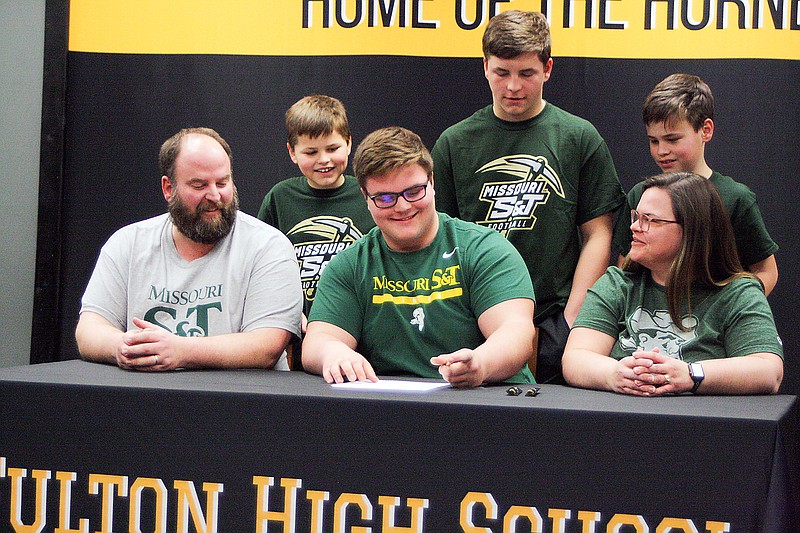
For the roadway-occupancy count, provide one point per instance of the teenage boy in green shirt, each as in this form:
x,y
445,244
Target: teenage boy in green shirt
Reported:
x,y
542,177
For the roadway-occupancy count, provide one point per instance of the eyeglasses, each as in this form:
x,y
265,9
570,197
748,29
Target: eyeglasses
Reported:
x,y
384,200
645,220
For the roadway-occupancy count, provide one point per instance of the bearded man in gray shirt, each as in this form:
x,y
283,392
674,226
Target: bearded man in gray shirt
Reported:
x,y
202,286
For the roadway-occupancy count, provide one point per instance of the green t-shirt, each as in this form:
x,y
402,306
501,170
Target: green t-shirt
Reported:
x,y
404,308
319,223
535,182
731,321
753,242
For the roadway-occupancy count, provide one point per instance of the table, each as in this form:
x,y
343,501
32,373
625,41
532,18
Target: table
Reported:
x,y
91,447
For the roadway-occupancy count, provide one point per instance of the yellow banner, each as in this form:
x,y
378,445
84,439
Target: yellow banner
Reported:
x,y
649,29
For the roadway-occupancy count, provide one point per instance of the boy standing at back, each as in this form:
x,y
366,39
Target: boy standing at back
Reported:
x,y
542,177
679,117
323,211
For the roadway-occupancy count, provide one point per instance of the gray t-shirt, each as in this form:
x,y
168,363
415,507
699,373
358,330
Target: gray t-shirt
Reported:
x,y
250,280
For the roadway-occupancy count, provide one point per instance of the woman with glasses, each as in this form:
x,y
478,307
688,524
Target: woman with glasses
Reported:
x,y
681,315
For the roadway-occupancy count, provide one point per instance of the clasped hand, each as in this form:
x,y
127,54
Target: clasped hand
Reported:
x,y
148,348
650,373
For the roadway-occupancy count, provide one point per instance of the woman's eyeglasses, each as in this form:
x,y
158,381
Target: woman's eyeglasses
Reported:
x,y
645,220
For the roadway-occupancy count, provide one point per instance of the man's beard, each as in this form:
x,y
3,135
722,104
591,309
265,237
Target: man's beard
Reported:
x,y
192,223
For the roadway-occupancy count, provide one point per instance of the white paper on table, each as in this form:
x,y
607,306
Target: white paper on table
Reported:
x,y
392,385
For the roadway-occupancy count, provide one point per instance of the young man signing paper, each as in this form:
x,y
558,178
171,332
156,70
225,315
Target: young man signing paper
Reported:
x,y
422,294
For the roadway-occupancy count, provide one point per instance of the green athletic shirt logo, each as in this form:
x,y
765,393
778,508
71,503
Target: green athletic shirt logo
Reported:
x,y
513,202
323,237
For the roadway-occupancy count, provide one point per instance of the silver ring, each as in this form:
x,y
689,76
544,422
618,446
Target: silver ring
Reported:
x,y
666,379
154,364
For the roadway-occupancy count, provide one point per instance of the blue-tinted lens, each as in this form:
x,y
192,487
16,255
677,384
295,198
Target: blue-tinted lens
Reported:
x,y
386,199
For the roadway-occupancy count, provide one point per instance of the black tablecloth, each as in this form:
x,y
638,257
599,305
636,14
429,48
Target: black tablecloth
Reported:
x,y
243,450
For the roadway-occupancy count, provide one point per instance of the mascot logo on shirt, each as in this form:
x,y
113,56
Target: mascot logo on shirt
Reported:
x,y
323,237
419,318
656,330
513,202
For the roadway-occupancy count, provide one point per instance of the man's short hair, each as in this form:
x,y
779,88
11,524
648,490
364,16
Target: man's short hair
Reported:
x,y
387,149
514,32
676,97
315,116
172,148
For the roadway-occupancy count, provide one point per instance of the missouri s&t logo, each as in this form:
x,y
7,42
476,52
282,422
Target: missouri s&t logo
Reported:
x,y
184,312
324,237
513,201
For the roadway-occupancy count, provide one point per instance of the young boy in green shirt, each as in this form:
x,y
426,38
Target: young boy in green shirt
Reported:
x,y
679,118
323,211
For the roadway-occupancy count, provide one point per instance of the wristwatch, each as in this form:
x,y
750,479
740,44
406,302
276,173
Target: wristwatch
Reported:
x,y
697,375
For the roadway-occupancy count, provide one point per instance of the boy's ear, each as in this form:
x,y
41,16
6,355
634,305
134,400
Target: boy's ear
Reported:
x,y
707,129
548,69
291,153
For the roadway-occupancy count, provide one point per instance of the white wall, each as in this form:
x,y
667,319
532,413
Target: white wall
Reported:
x,y
21,58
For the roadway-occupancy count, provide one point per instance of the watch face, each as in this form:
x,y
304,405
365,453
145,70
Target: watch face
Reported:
x,y
697,375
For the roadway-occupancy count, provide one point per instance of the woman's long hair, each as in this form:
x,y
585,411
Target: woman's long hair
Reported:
x,y
707,256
